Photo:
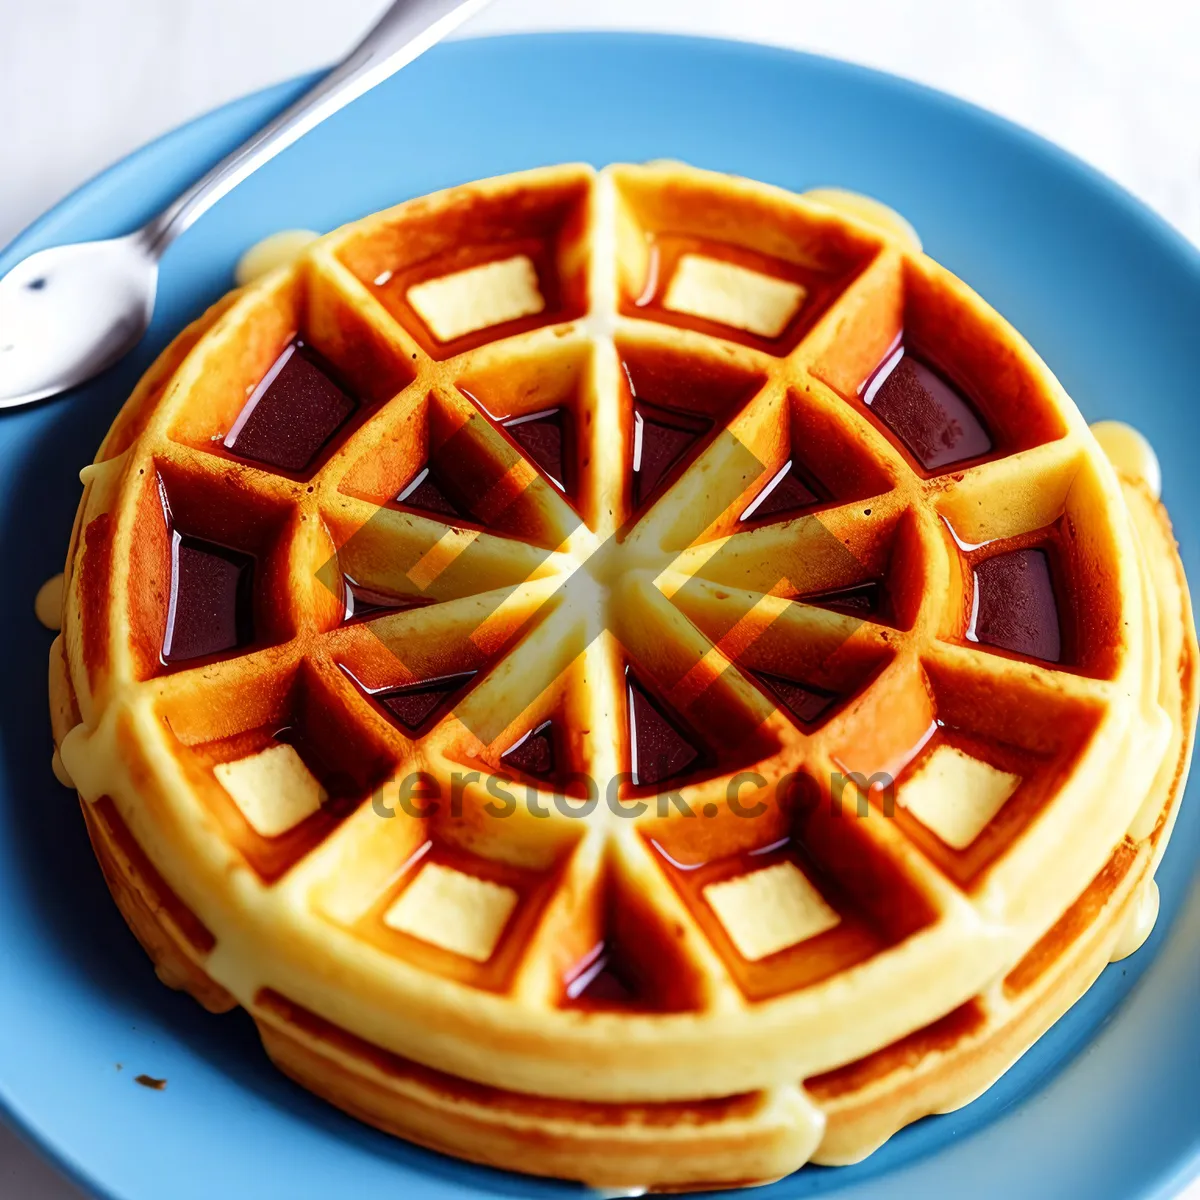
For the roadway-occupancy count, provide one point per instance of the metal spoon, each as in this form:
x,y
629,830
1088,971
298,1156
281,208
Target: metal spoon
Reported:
x,y
69,312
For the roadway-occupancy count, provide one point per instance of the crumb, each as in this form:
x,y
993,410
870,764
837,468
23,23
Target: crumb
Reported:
x,y
148,1081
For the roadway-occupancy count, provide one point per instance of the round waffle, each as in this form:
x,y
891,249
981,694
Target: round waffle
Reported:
x,y
636,676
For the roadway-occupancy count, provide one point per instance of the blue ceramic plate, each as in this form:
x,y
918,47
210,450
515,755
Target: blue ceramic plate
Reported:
x,y
1106,1105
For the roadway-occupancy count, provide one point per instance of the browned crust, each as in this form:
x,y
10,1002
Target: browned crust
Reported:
x,y
511,1131
170,933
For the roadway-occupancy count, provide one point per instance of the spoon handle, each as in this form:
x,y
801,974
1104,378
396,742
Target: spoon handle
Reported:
x,y
404,32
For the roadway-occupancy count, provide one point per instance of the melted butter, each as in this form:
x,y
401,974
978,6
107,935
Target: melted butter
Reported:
x,y
60,771
1138,923
1130,453
278,250
47,605
868,210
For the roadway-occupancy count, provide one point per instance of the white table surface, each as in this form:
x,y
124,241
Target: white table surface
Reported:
x,y
83,82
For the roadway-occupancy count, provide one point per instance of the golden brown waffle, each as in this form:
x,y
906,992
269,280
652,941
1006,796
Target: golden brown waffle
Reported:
x,y
600,484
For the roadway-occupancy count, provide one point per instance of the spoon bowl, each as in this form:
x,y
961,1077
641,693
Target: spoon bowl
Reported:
x,y
68,312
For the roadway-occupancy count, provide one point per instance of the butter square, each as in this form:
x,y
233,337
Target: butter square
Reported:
x,y
769,910
477,298
459,913
733,295
955,795
274,789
